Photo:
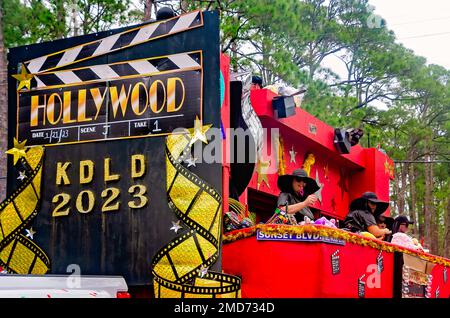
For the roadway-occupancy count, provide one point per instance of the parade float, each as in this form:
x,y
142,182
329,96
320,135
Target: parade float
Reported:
x,y
103,176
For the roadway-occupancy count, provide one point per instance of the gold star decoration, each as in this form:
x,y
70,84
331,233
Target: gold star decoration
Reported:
x,y
388,169
199,131
18,150
24,78
261,169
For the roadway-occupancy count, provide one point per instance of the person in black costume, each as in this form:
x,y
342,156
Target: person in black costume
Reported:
x,y
297,193
385,222
257,82
363,214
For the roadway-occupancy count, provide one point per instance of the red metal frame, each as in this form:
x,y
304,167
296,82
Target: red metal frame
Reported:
x,y
344,176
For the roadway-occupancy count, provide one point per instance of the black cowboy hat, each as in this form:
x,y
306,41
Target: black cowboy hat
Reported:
x,y
361,203
400,220
389,221
284,182
257,80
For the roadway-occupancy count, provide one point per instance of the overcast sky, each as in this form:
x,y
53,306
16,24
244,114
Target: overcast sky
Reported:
x,y
423,26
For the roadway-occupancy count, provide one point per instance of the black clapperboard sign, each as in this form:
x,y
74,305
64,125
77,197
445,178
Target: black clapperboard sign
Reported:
x,y
102,105
361,287
380,265
335,263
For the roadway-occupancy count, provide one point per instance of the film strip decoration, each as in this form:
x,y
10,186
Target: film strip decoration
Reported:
x,y
115,42
362,286
129,69
180,268
336,263
18,254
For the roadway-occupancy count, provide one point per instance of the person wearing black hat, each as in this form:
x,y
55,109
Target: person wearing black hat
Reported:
x,y
165,13
401,224
384,222
297,194
363,214
400,236
257,82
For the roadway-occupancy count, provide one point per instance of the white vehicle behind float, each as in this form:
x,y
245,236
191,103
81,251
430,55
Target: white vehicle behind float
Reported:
x,y
62,286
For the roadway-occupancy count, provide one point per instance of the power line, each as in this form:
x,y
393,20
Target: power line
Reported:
x,y
419,21
424,35
421,161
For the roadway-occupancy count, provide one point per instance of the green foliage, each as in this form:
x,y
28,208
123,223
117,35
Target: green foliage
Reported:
x,y
44,20
35,22
100,15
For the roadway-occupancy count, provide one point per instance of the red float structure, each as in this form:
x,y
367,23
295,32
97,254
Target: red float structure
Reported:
x,y
312,260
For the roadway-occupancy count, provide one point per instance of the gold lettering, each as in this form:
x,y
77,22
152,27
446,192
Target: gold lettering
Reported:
x,y
108,206
135,99
59,209
34,115
154,96
135,171
86,177
139,195
51,109
91,201
82,106
67,97
108,175
119,100
61,174
171,94
98,99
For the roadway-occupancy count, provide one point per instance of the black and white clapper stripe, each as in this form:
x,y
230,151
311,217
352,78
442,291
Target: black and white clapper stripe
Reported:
x,y
115,42
104,72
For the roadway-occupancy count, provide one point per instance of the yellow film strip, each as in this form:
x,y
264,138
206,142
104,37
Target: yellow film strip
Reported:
x,y
180,268
18,254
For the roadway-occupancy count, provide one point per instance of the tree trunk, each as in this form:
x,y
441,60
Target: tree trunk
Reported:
x,y
431,229
183,6
402,189
74,19
434,218
60,28
396,191
413,196
148,4
235,56
3,110
427,204
447,231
